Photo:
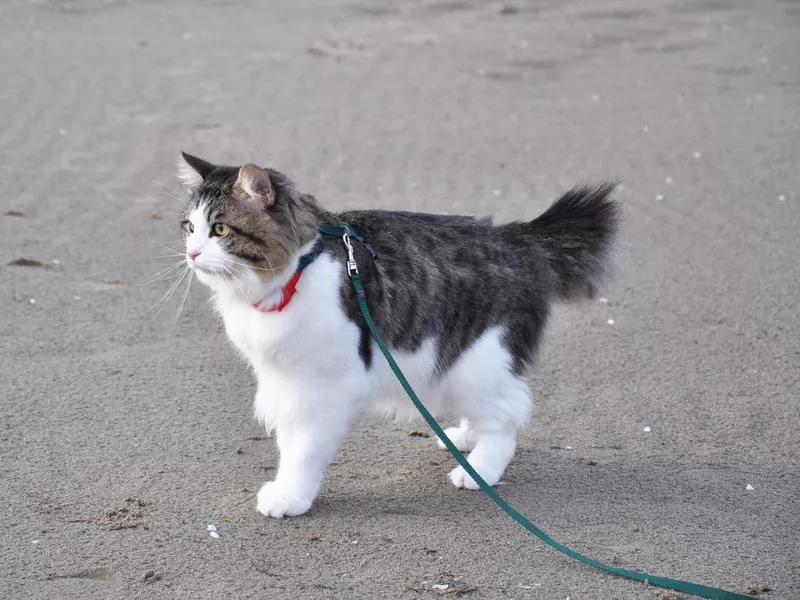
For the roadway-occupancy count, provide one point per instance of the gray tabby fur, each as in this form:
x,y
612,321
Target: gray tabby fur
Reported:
x,y
449,278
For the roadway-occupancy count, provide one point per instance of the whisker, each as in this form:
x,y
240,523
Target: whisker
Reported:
x,y
269,262
167,248
164,256
165,298
162,273
169,243
236,281
251,266
173,289
166,213
243,273
173,192
181,305
170,251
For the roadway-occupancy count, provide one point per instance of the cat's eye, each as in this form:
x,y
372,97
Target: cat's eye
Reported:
x,y
187,225
221,229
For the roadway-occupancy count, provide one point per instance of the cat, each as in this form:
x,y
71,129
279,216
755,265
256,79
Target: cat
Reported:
x,y
461,303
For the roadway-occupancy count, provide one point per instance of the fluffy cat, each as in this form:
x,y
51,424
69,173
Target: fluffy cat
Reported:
x,y
461,302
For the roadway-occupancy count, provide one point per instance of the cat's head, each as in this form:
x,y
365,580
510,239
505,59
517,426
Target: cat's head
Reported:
x,y
242,225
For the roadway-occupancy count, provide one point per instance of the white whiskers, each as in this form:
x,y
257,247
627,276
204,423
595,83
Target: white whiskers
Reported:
x,y
236,281
166,297
182,304
163,273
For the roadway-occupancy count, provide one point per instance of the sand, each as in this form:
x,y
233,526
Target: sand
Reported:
x,y
122,440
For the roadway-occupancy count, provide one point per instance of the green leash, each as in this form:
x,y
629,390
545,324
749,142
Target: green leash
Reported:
x,y
345,232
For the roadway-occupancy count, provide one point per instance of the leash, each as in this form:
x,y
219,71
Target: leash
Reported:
x,y
346,232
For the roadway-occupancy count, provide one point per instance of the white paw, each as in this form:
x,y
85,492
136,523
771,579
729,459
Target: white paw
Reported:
x,y
276,502
461,479
463,438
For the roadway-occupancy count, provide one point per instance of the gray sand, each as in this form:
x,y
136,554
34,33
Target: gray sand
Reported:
x,y
421,105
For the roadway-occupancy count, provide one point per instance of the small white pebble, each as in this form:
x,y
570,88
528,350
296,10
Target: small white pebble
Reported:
x,y
440,586
668,180
354,542
646,429
750,488
497,192
567,447
781,198
55,261
698,154
602,300
62,131
76,297
610,321
213,534
659,196
646,129
35,542
211,528
32,301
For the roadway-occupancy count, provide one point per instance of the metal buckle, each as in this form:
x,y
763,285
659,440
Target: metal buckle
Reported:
x,y
352,267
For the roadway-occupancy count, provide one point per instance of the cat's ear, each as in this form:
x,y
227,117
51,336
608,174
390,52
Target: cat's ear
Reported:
x,y
253,185
192,170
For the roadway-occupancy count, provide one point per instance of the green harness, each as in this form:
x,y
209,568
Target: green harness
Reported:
x,y
345,232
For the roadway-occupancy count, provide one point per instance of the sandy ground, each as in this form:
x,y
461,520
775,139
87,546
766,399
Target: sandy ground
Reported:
x,y
120,441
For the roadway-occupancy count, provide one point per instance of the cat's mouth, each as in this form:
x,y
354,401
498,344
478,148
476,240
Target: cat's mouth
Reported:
x,y
214,271
206,269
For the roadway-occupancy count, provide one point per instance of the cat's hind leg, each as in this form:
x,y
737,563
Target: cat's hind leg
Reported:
x,y
495,401
493,451
462,436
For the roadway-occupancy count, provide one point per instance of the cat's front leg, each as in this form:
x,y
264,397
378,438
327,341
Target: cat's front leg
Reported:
x,y
308,437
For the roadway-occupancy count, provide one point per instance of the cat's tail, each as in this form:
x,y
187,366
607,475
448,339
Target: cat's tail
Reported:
x,y
578,235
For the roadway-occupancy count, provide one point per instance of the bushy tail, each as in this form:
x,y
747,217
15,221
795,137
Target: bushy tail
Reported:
x,y
578,235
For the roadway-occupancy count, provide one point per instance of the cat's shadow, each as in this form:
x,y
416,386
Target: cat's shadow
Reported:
x,y
539,484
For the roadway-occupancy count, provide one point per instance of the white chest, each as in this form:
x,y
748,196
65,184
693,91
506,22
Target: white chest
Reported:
x,y
311,335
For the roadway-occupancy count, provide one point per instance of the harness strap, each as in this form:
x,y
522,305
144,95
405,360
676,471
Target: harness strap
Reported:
x,y
342,230
687,587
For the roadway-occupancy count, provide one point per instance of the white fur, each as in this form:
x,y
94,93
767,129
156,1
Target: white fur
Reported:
x,y
312,382
188,176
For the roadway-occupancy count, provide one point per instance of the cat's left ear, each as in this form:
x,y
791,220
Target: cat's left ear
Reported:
x,y
192,170
253,185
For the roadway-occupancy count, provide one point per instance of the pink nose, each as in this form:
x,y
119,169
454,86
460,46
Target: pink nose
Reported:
x,y
193,254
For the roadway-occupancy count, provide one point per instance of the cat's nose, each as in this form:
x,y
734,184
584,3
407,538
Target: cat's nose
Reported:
x,y
192,255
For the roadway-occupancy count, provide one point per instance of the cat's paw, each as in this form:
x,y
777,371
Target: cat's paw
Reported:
x,y
273,501
462,437
461,479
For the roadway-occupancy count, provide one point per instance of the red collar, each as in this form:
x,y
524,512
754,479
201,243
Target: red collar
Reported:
x,y
288,291
291,286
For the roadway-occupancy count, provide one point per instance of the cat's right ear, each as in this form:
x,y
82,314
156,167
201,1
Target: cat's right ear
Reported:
x,y
192,170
